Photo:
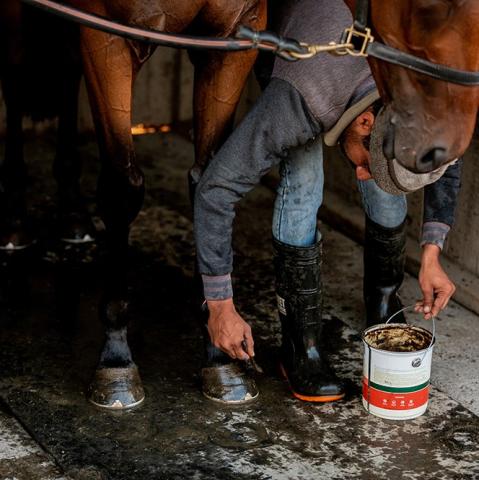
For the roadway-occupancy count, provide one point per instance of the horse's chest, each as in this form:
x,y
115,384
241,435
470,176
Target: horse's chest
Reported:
x,y
164,15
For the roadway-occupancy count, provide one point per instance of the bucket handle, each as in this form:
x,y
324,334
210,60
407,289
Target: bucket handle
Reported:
x,y
433,325
421,360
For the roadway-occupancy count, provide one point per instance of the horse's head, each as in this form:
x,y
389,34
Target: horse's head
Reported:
x,y
428,122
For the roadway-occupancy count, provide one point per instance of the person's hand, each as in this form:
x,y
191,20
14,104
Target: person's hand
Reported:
x,y
437,288
228,331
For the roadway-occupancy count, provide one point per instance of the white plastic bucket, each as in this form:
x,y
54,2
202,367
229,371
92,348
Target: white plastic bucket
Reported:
x,y
396,383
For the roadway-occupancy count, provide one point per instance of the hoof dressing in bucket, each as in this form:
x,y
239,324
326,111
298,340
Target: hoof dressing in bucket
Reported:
x,y
396,370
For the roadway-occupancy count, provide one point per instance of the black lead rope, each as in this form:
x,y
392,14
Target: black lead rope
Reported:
x,y
357,41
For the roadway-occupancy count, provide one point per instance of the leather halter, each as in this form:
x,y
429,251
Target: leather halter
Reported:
x,y
365,45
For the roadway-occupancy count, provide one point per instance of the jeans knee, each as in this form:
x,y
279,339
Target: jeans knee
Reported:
x,y
383,208
390,213
300,194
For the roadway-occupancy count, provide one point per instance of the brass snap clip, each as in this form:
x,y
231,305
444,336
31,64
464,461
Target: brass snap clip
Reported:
x,y
313,50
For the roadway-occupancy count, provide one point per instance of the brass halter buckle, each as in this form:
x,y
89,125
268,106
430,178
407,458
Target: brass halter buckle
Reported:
x,y
360,40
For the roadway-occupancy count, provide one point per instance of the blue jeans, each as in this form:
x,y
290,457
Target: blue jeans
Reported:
x,y
300,194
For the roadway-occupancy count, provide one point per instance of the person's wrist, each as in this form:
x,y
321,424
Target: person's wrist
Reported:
x,y
430,253
220,305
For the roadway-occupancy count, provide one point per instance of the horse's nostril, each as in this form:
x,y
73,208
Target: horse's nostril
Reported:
x,y
432,160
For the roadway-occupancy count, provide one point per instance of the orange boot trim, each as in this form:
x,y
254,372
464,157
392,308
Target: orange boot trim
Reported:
x,y
308,398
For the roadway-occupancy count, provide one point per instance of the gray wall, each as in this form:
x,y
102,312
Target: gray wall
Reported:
x,y
163,93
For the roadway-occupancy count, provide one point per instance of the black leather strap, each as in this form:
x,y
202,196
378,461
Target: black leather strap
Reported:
x,y
397,57
250,39
420,65
361,15
281,45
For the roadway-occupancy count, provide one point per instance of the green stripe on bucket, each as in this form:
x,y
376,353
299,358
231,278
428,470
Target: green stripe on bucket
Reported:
x,y
384,388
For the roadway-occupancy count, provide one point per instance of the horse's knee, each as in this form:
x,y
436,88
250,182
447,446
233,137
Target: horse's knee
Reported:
x,y
122,179
120,195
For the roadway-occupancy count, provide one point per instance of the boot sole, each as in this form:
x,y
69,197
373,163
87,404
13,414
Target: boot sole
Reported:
x,y
308,398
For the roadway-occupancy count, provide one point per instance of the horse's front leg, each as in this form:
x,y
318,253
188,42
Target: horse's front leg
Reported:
x,y
218,86
110,69
219,82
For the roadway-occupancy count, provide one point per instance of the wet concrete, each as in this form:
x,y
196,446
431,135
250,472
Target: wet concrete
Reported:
x,y
50,341
20,456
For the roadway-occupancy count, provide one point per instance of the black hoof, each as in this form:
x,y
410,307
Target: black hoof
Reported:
x,y
77,229
15,239
116,388
228,384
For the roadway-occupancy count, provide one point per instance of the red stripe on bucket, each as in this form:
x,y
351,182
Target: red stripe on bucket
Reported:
x,y
395,401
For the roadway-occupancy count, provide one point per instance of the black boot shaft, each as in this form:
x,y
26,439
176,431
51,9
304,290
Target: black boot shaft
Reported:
x,y
384,254
299,292
384,259
299,287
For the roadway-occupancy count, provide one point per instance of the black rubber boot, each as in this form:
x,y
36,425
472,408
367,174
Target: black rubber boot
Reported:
x,y
299,295
384,258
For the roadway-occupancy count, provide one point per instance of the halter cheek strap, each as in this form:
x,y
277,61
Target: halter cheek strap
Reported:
x,y
435,70
360,36
361,15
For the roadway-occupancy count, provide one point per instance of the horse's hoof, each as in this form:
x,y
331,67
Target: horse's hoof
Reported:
x,y
116,388
77,229
17,239
228,384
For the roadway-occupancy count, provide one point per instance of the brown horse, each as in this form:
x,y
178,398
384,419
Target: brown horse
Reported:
x,y
111,65
429,122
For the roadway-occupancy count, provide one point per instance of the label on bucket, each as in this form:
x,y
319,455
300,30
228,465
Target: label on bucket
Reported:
x,y
390,398
401,378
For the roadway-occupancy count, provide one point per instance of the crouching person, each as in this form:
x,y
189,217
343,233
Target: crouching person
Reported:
x,y
302,102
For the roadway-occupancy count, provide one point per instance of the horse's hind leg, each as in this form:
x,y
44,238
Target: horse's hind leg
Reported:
x,y
74,222
13,232
110,69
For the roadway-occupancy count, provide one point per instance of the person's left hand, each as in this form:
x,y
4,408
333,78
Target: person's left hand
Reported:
x,y
436,286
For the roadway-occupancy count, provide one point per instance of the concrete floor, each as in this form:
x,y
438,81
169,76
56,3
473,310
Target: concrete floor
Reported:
x,y
50,340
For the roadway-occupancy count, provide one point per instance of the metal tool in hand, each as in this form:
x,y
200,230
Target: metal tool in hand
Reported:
x,y
251,362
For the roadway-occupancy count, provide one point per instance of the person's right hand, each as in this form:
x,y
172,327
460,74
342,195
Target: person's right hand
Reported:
x,y
436,286
228,331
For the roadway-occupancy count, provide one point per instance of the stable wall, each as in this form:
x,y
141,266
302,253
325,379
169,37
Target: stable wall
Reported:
x,y
163,94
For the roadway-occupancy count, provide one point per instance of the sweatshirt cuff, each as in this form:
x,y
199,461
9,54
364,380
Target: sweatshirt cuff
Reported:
x,y
217,287
435,233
